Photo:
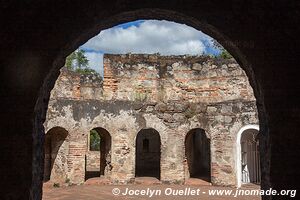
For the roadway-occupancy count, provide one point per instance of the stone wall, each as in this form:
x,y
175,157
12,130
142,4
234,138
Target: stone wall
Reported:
x,y
172,95
140,77
264,41
72,85
92,161
56,155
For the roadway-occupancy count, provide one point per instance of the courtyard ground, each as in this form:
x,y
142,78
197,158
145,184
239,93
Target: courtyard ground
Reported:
x,y
105,192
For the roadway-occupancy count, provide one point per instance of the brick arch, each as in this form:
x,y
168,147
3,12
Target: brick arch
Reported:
x,y
104,153
206,131
197,154
149,127
56,148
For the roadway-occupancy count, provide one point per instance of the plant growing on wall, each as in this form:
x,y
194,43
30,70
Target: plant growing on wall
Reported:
x,y
139,93
139,96
191,111
223,52
161,92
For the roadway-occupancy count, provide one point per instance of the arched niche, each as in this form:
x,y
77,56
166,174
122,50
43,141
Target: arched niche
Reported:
x,y
197,154
147,162
247,156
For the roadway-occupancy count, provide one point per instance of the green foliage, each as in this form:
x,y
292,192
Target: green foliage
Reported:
x,y
67,180
86,71
78,62
139,96
161,92
56,185
224,53
178,182
141,93
94,140
69,60
191,111
81,60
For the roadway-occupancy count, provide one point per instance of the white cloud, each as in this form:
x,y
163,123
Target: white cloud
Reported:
x,y
95,61
151,36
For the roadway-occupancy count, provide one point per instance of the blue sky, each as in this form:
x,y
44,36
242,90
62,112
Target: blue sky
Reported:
x,y
147,36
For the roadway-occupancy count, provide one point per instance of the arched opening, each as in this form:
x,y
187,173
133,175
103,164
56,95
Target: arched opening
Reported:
x,y
98,157
56,155
147,162
275,77
168,81
145,142
248,159
197,152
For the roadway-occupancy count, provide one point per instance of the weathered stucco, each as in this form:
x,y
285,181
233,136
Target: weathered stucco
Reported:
x,y
171,94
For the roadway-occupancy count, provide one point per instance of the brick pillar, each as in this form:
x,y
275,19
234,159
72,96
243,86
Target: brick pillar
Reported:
x,y
76,162
110,85
222,158
171,160
123,158
75,78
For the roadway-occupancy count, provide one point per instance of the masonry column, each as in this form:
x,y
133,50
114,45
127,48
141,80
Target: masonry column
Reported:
x,y
76,162
222,157
110,85
172,168
123,156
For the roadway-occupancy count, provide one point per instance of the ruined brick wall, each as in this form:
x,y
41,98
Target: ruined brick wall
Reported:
x,y
72,85
174,78
154,78
172,95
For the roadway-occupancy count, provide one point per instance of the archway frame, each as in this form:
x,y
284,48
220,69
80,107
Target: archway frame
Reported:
x,y
144,128
50,135
88,136
135,149
106,139
238,152
101,23
207,135
54,127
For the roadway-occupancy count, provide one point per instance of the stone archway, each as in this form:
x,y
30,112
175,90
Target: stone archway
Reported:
x,y
56,155
248,159
197,153
88,32
98,157
148,153
265,40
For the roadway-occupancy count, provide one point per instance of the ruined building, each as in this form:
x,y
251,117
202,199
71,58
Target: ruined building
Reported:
x,y
169,117
36,37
